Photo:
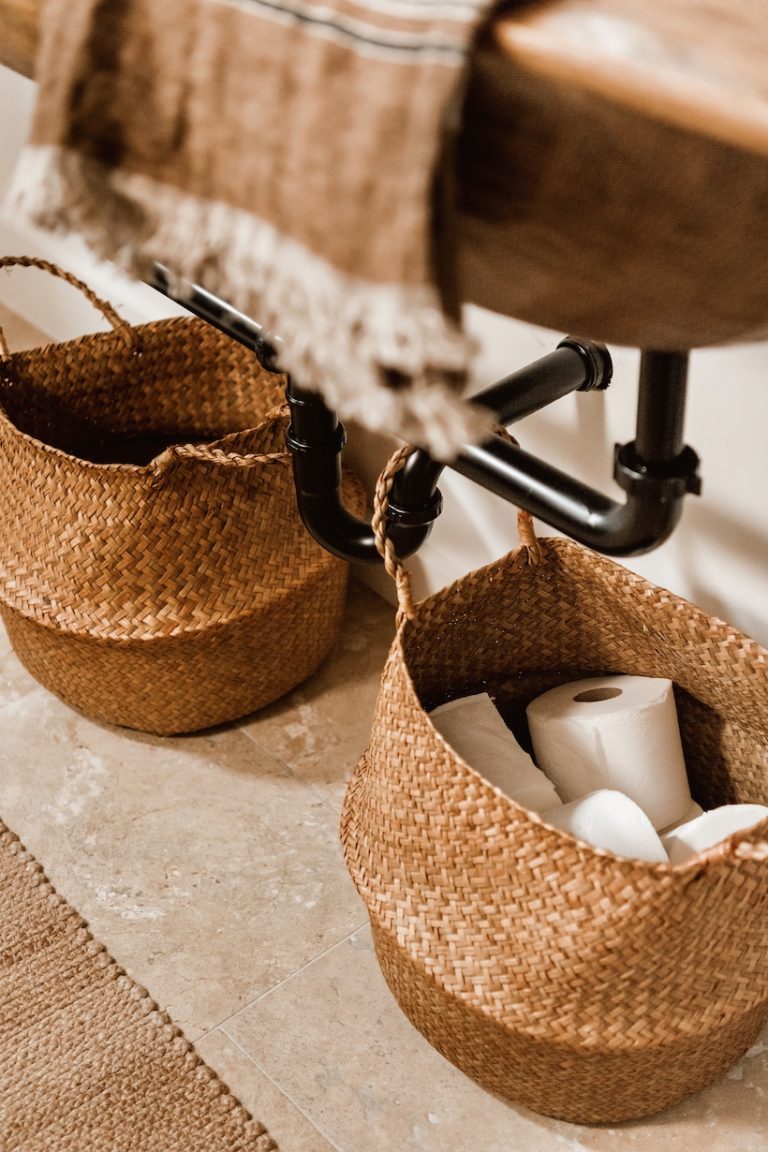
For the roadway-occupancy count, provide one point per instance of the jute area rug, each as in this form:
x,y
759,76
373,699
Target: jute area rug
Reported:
x,y
88,1063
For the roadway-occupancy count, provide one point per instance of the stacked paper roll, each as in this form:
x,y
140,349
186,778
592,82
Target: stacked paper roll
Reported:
x,y
610,820
615,732
711,828
610,749
694,811
473,728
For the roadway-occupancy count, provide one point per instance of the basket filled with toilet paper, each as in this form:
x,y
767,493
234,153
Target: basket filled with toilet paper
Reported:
x,y
609,766
560,833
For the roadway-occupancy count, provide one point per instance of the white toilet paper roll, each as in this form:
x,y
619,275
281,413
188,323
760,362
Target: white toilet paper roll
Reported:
x,y
473,728
716,825
694,811
610,820
614,732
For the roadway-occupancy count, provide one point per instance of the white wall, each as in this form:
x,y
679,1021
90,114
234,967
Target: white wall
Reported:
x,y
718,557
53,307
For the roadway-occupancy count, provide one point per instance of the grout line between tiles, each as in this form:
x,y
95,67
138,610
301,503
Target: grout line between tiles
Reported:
x,y
320,794
285,979
282,1091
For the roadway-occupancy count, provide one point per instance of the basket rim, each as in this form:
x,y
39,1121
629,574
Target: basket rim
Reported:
x,y
140,471
555,548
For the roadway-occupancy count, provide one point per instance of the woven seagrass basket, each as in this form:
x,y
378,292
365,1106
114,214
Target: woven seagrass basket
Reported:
x,y
154,571
581,985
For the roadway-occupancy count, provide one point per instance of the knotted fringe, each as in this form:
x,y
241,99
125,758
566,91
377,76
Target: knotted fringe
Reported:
x,y
340,335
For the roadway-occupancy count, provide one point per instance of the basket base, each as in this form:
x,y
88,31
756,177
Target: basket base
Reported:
x,y
582,1087
178,684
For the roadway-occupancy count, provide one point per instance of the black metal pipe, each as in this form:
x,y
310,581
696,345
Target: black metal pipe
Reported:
x,y
316,439
573,366
221,315
655,469
644,521
655,484
661,406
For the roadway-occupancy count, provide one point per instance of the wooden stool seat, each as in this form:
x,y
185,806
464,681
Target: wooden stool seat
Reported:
x,y
614,170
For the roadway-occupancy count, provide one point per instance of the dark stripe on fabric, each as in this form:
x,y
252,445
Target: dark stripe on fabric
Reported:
x,y
471,8
94,116
416,47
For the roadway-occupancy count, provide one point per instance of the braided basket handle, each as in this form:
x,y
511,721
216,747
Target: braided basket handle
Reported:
x,y
162,464
384,546
529,542
107,311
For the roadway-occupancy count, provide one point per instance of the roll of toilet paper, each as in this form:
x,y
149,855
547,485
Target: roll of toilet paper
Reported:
x,y
614,732
610,820
695,810
473,728
705,831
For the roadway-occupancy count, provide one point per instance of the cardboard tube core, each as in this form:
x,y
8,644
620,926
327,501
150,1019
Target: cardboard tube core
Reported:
x,y
593,694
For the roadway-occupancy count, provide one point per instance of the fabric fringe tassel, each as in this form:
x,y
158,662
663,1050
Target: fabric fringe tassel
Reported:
x,y
339,335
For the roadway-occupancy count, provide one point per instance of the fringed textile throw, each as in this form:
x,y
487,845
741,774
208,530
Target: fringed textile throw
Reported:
x,y
282,153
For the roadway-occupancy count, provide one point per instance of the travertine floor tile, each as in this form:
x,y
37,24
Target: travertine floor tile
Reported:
x,y
207,869
335,1041
322,728
15,681
286,1124
731,1114
347,1055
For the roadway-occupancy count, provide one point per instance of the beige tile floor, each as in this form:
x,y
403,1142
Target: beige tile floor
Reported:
x,y
209,865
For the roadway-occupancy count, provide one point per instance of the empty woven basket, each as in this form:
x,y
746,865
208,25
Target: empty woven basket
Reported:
x,y
584,986
154,572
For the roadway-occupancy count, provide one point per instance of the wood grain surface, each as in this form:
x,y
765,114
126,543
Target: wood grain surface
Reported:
x,y
19,22
698,64
613,166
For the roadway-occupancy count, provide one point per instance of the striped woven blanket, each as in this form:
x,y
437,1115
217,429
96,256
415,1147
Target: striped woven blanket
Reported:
x,y
283,154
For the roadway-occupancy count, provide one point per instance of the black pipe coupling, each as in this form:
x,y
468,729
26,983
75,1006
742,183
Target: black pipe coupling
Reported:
x,y
316,455
415,515
598,365
660,480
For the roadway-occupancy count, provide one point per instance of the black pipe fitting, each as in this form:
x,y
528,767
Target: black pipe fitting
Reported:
x,y
655,481
598,366
415,501
316,438
663,480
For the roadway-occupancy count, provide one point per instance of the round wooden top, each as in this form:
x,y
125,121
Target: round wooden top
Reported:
x,y
697,64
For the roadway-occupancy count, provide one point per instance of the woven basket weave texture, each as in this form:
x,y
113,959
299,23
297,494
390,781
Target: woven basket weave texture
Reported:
x,y
154,571
88,1061
584,986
